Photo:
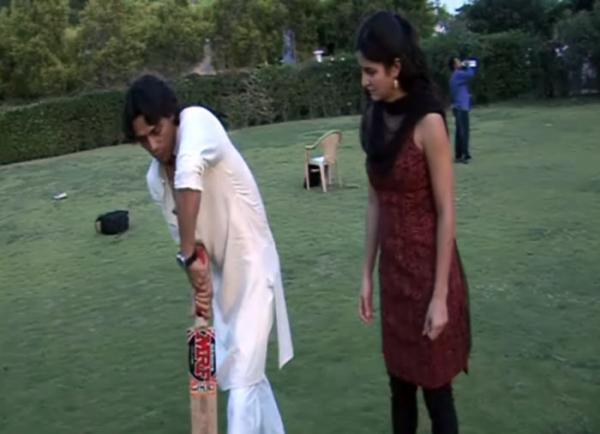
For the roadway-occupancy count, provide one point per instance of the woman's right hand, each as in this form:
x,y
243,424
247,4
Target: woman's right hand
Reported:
x,y
365,302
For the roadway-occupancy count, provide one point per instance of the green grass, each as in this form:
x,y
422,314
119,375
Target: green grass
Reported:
x,y
92,328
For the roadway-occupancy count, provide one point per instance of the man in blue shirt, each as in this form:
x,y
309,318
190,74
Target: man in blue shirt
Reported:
x,y
462,73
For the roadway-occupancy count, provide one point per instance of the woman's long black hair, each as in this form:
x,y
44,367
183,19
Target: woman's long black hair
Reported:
x,y
385,37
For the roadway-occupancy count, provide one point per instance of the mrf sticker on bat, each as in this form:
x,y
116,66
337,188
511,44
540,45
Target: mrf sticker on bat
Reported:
x,y
202,361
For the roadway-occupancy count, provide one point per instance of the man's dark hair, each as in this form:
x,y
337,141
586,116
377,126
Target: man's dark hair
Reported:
x,y
151,97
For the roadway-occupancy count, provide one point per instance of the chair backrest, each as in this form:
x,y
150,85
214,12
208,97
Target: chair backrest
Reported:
x,y
329,143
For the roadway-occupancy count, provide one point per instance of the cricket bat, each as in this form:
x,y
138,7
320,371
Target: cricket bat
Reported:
x,y
202,370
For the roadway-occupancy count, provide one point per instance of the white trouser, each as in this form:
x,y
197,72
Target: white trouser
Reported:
x,y
253,410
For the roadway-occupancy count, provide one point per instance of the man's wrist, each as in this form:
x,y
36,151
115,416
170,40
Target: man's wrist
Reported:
x,y
185,261
187,249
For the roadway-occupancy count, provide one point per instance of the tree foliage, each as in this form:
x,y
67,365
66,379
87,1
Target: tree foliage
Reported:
x,y
247,32
341,18
33,58
54,47
174,34
580,34
494,16
109,44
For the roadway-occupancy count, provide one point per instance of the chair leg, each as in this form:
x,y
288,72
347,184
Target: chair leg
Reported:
x,y
307,176
323,178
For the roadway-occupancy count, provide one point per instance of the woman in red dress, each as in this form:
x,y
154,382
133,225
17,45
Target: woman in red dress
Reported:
x,y
410,225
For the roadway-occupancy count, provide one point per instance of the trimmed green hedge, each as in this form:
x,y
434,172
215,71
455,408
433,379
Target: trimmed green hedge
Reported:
x,y
278,93
510,66
265,95
509,63
60,126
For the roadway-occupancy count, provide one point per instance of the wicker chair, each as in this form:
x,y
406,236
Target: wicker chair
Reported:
x,y
326,162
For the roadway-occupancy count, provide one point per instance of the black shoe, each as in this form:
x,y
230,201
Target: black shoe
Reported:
x,y
458,160
468,157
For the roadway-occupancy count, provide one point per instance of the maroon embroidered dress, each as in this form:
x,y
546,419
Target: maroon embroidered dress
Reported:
x,y
407,234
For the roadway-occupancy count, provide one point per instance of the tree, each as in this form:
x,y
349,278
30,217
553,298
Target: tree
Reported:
x,y
34,61
303,17
174,35
109,44
579,33
247,32
75,7
421,13
494,16
341,18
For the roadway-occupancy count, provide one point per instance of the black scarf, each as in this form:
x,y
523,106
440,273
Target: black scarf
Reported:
x,y
386,126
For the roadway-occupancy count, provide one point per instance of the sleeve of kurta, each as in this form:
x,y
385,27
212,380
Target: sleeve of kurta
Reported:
x,y
158,195
155,187
201,137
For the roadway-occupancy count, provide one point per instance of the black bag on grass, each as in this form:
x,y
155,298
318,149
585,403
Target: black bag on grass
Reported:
x,y
112,223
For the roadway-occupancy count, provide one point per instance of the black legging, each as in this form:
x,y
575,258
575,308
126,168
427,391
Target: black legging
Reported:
x,y
439,402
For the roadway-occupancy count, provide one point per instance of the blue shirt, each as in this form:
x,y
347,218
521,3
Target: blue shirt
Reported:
x,y
459,88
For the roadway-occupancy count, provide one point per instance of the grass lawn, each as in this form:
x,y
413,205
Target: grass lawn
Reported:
x,y
92,328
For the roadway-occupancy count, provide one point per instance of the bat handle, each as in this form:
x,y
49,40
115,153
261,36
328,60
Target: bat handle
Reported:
x,y
201,321
202,255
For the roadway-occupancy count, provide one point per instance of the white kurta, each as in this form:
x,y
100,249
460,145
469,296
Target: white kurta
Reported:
x,y
232,224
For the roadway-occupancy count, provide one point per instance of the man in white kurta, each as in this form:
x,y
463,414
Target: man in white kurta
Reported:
x,y
248,291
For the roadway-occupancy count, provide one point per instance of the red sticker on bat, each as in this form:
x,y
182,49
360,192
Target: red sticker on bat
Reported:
x,y
202,360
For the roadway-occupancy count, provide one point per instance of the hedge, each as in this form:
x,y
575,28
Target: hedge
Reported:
x,y
265,95
278,93
509,63
60,126
510,66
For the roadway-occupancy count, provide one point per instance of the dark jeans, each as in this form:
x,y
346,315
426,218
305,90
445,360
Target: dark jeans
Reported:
x,y
439,402
461,138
